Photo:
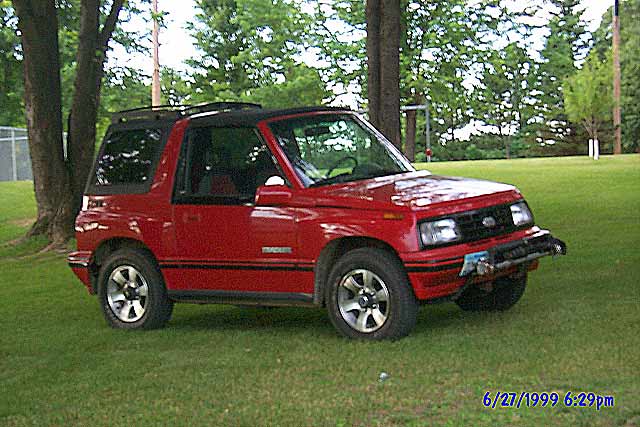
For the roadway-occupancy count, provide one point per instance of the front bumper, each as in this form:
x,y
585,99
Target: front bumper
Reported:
x,y
507,255
445,274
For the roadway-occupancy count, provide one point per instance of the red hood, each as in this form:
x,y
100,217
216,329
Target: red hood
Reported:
x,y
414,190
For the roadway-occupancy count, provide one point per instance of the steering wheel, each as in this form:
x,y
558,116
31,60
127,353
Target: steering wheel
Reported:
x,y
339,162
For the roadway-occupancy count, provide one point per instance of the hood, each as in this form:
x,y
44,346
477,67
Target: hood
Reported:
x,y
417,190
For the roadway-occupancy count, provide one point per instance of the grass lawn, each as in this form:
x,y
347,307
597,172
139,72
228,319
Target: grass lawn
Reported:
x,y
577,328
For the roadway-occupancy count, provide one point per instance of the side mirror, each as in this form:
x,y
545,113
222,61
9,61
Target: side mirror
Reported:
x,y
273,195
275,180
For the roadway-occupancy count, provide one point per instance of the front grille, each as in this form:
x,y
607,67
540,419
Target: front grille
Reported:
x,y
471,223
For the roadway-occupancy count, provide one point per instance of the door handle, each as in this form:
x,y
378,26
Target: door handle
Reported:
x,y
191,217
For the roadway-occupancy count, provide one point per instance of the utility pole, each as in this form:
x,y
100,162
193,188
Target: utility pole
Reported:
x,y
617,148
155,83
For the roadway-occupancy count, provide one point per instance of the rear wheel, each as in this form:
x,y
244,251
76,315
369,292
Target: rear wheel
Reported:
x,y
132,292
369,296
504,293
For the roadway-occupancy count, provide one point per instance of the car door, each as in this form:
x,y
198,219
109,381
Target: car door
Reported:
x,y
225,244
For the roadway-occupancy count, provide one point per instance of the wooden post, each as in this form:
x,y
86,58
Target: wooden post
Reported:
x,y
617,120
155,84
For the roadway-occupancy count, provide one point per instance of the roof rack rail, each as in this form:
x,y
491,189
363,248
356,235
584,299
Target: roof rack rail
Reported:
x,y
174,112
218,106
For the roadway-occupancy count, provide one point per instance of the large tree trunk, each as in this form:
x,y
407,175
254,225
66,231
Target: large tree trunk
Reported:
x,y
90,60
383,60
38,23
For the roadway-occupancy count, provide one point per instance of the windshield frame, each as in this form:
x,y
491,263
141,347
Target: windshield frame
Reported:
x,y
304,181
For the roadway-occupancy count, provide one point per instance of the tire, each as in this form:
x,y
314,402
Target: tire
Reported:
x,y
506,292
131,291
369,296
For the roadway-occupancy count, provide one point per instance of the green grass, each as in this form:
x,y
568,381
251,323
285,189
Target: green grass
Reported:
x,y
576,329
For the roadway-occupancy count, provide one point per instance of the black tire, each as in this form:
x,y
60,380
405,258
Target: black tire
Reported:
x,y
156,305
399,310
506,292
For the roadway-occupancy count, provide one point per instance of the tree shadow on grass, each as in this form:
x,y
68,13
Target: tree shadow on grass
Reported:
x,y
448,317
314,321
234,318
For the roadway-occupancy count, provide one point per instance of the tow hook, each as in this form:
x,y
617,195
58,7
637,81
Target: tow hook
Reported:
x,y
483,267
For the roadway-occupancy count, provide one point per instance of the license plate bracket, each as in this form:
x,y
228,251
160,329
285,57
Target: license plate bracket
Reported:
x,y
471,260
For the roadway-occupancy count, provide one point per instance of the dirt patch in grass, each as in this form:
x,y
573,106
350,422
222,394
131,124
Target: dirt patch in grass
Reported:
x,y
22,222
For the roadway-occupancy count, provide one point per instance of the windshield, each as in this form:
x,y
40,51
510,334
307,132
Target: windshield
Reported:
x,y
330,148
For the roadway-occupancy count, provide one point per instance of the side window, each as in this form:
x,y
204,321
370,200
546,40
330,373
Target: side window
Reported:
x,y
126,157
224,165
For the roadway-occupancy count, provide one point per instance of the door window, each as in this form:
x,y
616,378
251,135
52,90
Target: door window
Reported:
x,y
223,166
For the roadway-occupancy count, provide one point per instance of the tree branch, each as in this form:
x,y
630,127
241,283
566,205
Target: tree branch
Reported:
x,y
109,25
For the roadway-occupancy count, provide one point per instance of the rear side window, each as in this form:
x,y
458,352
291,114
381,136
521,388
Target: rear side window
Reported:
x,y
127,156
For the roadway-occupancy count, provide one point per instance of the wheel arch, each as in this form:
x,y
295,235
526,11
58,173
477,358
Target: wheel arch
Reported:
x,y
109,246
335,249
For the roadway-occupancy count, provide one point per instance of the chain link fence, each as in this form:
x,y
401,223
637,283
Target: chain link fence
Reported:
x,y
15,164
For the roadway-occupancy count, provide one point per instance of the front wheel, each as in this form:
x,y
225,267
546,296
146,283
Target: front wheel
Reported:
x,y
132,292
505,293
369,296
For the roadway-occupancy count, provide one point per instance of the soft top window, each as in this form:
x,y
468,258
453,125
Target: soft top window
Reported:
x,y
127,157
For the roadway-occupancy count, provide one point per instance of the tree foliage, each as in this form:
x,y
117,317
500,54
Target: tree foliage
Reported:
x,y
11,87
504,101
563,48
588,98
629,64
250,50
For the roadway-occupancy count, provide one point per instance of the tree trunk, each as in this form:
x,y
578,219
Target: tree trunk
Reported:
x,y
390,71
373,60
410,131
38,23
90,60
383,60
410,136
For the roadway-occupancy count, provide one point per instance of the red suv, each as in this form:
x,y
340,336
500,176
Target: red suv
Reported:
x,y
231,203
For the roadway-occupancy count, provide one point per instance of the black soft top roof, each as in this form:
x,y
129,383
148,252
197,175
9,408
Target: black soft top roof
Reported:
x,y
238,114
251,117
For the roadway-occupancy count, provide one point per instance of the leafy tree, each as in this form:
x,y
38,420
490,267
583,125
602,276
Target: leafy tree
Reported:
x,y
59,179
248,46
11,88
629,63
440,42
588,95
564,46
338,40
504,101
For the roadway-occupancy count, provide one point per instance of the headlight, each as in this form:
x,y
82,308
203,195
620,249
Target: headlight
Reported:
x,y
521,214
438,232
